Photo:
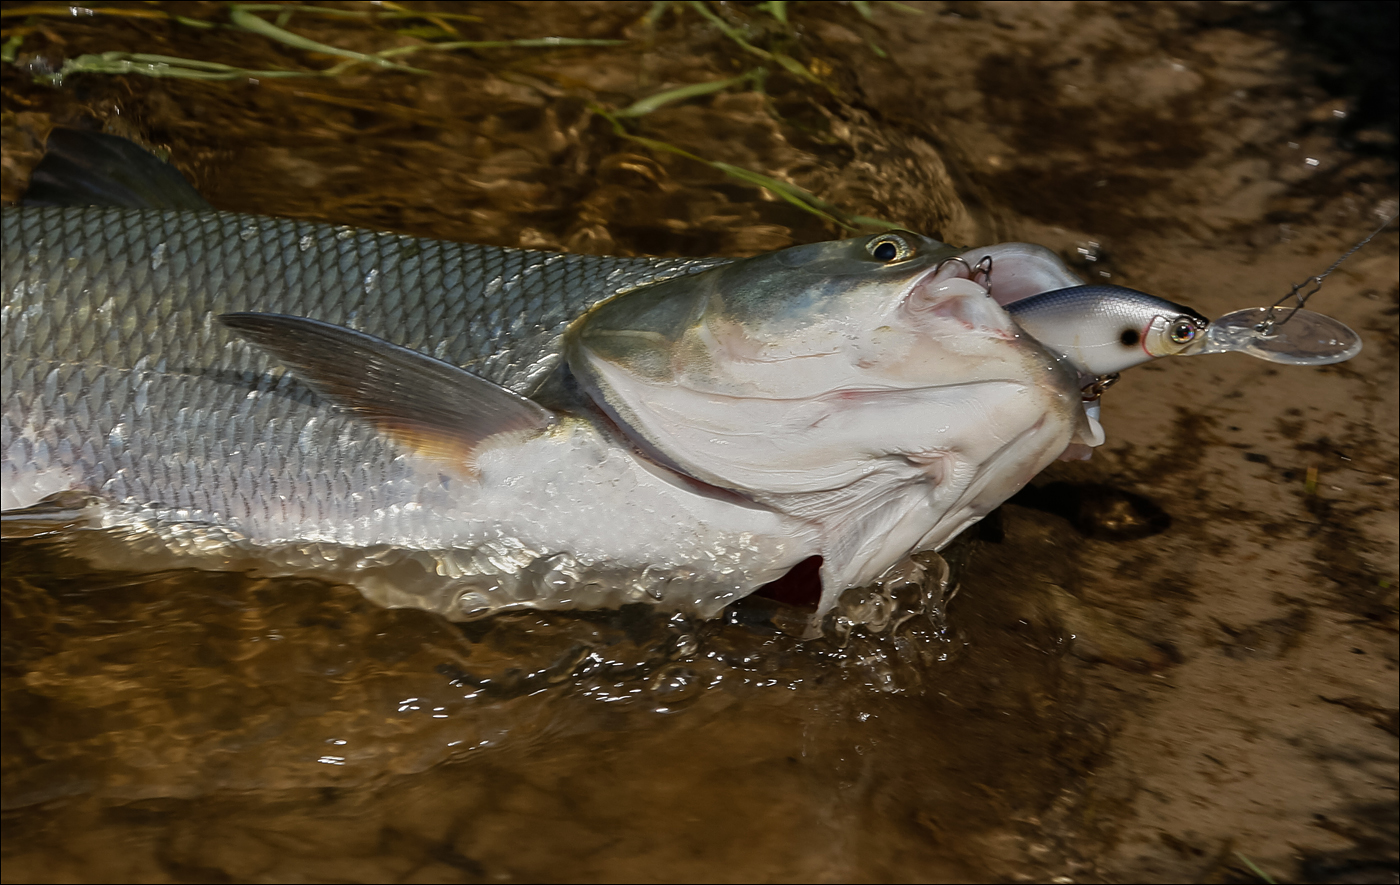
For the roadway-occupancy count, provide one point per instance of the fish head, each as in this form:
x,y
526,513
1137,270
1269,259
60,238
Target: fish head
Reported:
x,y
862,384
881,310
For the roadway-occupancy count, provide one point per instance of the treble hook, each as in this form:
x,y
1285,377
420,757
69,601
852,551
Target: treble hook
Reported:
x,y
1095,389
983,267
960,260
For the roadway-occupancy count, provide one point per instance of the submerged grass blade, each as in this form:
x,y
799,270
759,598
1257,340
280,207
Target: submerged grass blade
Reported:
x,y
164,66
524,43
728,30
788,192
123,11
383,10
791,193
658,9
1265,877
802,199
438,19
244,18
10,50
644,106
425,32
793,66
867,12
775,8
289,8
787,62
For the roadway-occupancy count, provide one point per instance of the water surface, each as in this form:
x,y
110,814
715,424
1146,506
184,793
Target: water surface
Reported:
x,y
1156,665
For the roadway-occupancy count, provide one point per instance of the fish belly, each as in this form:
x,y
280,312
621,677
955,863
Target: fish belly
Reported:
x,y
193,472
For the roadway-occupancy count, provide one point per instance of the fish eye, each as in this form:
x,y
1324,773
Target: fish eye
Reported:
x,y
889,247
1182,331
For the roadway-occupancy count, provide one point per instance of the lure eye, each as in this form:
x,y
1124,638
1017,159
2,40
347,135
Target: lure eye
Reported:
x,y
889,248
1182,331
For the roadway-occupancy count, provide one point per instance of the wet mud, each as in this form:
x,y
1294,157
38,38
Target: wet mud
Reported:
x,y
1174,662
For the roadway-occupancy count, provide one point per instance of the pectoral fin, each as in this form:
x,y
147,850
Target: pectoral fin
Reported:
x,y
863,527
437,409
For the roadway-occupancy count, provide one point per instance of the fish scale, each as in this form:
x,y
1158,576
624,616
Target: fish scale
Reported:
x,y
504,304
97,302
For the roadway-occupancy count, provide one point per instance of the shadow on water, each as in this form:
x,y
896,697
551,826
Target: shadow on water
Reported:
x,y
189,726
1097,510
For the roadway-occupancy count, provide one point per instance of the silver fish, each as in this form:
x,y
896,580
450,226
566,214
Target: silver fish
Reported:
x,y
713,422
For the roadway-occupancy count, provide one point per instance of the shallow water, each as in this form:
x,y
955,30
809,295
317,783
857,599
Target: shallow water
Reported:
x,y
1166,664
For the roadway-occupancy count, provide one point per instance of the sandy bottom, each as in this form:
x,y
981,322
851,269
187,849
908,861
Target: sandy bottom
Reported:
x,y
1175,662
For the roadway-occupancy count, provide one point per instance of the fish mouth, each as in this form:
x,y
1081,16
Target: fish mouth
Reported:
x,y
939,293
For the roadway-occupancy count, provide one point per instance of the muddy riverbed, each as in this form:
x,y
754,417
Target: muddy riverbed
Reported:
x,y
1174,662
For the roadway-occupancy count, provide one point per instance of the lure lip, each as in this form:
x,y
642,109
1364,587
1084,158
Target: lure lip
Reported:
x,y
1302,338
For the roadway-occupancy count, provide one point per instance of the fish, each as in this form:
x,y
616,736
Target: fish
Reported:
x,y
469,429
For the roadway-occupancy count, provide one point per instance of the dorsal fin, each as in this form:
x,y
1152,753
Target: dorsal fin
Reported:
x,y
435,408
94,169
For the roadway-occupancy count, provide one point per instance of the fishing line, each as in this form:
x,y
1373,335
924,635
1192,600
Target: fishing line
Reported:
x,y
1269,324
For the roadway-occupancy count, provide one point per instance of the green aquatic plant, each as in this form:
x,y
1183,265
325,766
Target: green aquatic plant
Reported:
x,y
250,18
119,11
244,16
645,106
779,11
775,8
1254,868
164,66
382,10
787,62
10,48
867,9
786,191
